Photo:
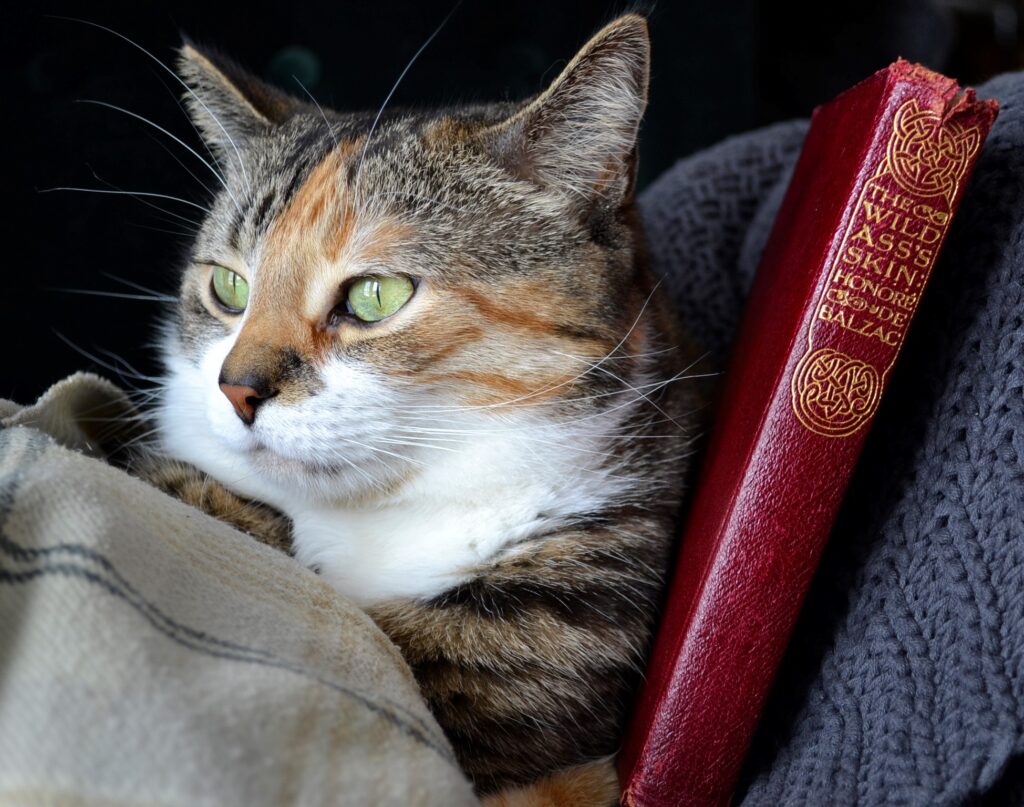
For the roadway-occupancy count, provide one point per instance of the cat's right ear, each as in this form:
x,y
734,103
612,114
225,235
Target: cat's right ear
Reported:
x,y
578,137
228,104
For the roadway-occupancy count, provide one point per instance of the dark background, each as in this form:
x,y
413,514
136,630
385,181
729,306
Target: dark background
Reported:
x,y
719,68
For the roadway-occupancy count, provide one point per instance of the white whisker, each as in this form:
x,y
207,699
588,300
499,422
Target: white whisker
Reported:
x,y
181,162
387,99
176,77
173,137
180,233
330,129
103,363
133,285
115,294
125,193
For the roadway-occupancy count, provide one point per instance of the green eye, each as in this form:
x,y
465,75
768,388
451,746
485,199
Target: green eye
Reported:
x,y
230,288
377,297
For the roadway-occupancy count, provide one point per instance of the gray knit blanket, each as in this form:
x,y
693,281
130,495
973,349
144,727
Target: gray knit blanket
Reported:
x,y
904,680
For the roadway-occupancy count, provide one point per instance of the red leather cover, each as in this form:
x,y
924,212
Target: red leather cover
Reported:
x,y
881,173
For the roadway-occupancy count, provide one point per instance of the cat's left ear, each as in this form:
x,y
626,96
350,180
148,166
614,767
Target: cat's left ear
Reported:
x,y
228,104
579,136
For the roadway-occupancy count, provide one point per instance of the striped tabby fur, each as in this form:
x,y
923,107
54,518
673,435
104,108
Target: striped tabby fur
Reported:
x,y
495,471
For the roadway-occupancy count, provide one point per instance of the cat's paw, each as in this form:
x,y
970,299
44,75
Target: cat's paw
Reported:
x,y
194,487
594,784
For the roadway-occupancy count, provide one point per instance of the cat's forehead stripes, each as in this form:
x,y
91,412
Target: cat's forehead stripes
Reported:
x,y
320,194
320,238
281,170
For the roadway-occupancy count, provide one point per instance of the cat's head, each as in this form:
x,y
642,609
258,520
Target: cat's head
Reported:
x,y
367,291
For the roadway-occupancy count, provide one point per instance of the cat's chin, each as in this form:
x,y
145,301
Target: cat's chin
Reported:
x,y
312,479
287,469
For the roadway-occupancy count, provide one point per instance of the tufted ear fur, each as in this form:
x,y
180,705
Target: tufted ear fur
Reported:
x,y
579,136
227,104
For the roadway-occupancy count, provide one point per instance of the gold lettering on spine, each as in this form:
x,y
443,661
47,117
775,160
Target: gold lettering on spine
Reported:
x,y
881,266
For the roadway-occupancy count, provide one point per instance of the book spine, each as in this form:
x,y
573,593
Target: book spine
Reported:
x,y
756,531
885,257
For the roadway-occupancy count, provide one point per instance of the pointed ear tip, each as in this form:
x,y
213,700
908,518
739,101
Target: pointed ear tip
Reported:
x,y
631,24
195,58
187,51
192,51
633,20
628,33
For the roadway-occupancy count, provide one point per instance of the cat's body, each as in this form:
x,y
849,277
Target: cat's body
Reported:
x,y
493,468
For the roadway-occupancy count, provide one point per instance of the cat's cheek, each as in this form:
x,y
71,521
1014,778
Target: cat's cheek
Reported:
x,y
184,428
354,391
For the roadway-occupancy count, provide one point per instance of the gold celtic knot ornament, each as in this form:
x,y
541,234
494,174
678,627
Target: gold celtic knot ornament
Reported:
x,y
834,394
927,158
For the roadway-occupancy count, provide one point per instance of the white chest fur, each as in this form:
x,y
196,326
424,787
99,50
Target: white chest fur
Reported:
x,y
467,508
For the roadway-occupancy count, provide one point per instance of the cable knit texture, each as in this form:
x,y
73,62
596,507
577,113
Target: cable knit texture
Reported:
x,y
904,679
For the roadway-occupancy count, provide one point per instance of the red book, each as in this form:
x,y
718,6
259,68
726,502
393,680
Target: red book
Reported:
x,y
880,176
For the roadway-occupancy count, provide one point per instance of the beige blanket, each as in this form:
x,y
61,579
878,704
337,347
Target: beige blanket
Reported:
x,y
150,655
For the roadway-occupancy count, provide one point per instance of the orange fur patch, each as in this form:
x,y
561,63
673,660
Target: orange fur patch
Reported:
x,y
516,317
507,390
450,342
316,223
303,262
534,308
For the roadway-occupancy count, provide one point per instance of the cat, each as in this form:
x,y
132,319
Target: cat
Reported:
x,y
422,351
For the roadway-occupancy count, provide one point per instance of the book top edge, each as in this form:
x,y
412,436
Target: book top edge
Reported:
x,y
951,100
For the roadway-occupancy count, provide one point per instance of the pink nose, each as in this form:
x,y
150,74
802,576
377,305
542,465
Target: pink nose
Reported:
x,y
245,399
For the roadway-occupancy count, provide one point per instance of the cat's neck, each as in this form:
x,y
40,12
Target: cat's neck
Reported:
x,y
467,507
